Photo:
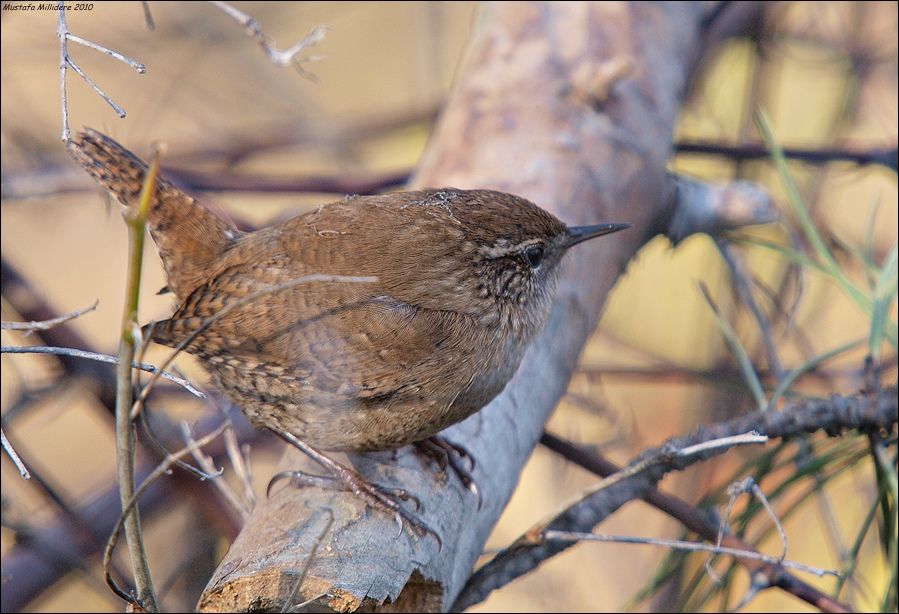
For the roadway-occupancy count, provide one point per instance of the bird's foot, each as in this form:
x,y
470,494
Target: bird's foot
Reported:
x,y
381,498
447,454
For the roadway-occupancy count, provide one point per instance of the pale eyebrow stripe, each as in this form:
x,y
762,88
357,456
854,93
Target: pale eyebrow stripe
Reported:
x,y
500,248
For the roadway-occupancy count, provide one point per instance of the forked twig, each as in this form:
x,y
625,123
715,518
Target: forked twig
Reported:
x,y
66,62
748,485
287,57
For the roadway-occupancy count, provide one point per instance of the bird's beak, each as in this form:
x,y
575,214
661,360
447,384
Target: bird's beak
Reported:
x,y
577,234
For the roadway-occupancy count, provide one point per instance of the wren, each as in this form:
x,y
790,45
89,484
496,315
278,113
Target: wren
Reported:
x,y
459,283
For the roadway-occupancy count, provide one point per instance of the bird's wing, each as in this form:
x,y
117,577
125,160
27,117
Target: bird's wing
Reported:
x,y
334,334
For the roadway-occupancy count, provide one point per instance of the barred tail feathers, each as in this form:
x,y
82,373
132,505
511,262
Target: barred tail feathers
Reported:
x,y
177,222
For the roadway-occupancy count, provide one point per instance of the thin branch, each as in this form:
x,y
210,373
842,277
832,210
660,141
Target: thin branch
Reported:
x,y
11,452
140,68
747,485
62,34
119,110
148,16
23,184
750,375
213,474
131,502
240,460
721,443
287,57
72,352
756,151
129,337
65,62
152,440
677,544
744,291
47,324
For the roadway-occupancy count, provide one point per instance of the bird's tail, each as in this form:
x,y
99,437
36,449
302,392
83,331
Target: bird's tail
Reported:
x,y
189,237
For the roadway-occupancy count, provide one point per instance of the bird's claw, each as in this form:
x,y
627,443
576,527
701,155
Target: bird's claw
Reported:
x,y
380,497
448,454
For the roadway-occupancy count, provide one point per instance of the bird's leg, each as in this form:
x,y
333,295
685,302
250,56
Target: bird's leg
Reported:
x,y
344,478
447,454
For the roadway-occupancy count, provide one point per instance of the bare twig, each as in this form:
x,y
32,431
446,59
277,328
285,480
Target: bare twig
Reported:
x,y
212,473
886,156
209,473
148,16
677,544
131,502
140,68
30,327
20,184
750,375
287,57
747,485
56,351
65,62
723,442
62,34
744,291
240,460
11,452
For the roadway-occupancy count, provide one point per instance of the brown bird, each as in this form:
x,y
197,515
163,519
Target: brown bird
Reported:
x,y
376,321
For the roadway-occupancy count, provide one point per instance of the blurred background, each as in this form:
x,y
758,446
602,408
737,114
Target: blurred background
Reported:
x,y
826,73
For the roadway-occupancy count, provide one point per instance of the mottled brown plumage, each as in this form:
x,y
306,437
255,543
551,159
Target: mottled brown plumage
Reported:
x,y
464,281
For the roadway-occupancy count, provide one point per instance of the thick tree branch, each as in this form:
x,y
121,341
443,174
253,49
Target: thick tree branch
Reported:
x,y
520,120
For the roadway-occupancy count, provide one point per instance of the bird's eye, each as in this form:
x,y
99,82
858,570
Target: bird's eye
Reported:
x,y
534,255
